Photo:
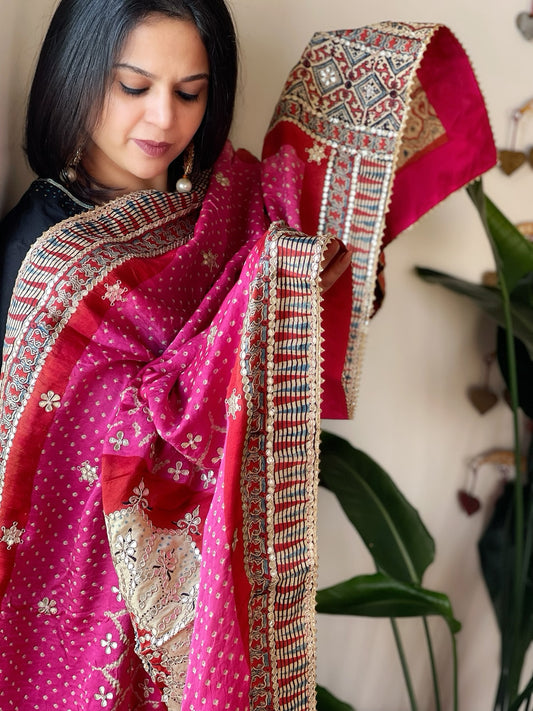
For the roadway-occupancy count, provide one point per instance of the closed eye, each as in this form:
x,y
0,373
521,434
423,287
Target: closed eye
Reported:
x,y
188,97
131,91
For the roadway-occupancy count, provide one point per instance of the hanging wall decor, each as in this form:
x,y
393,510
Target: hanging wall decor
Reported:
x,y
524,22
510,159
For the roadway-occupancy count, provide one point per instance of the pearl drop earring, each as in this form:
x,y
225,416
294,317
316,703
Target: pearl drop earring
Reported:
x,y
184,185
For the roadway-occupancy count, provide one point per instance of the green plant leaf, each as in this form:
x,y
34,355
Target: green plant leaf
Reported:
x,y
390,527
512,251
524,370
325,701
489,300
506,546
379,595
496,550
525,695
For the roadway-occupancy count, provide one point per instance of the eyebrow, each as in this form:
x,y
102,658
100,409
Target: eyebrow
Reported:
x,y
148,75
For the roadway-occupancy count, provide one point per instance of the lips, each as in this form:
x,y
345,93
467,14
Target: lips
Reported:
x,y
154,149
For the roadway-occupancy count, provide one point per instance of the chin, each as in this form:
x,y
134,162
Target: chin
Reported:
x,y
149,175
147,181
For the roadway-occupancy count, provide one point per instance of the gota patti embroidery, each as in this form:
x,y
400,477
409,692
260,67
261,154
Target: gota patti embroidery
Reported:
x,y
363,114
158,571
161,399
12,535
79,265
280,469
350,92
116,371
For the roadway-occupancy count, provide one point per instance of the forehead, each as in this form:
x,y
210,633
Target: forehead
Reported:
x,y
159,40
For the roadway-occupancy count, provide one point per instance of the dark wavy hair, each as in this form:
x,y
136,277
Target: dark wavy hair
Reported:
x,y
83,42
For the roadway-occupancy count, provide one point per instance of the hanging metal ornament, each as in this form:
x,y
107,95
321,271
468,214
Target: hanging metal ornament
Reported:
x,y
524,22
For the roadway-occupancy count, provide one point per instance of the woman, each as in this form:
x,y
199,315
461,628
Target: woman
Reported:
x,y
161,384
71,82
92,149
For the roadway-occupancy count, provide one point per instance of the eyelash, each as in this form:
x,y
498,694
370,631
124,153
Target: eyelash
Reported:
x,y
138,92
131,92
188,97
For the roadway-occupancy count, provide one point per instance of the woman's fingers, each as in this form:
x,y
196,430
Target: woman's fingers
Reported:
x,y
334,262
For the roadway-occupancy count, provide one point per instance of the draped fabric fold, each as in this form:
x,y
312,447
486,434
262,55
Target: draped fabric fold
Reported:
x,y
166,365
381,129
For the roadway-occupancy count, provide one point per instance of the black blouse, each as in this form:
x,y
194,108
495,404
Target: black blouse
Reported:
x,y
43,205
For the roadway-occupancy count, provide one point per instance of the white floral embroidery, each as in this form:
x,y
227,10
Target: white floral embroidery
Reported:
x,y
119,441
117,593
178,471
102,697
146,688
47,607
134,581
12,535
317,153
139,496
222,179
209,260
212,335
108,643
49,400
328,76
126,549
166,563
144,441
208,478
88,472
233,404
115,292
156,565
161,464
191,441
190,521
220,454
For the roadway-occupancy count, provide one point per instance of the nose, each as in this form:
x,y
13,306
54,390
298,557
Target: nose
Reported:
x,y
160,109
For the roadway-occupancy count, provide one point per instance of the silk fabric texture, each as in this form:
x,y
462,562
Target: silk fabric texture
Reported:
x,y
166,364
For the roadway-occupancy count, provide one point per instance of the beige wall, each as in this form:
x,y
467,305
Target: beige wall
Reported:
x,y
425,346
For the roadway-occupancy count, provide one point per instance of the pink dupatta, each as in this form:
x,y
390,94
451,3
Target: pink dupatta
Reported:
x,y
161,396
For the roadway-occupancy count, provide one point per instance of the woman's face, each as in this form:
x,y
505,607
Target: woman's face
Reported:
x,y
154,105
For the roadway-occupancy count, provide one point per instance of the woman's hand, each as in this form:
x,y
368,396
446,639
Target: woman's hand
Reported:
x,y
334,263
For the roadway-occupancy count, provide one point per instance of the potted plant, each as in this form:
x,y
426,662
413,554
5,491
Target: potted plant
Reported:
x,y
507,543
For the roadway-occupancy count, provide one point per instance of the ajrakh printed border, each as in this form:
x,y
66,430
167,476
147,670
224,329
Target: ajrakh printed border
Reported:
x,y
280,367
351,93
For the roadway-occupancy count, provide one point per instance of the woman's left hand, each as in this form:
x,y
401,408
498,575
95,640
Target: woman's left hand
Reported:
x,y
334,263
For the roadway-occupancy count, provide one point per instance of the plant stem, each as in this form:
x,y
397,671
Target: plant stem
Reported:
x,y
455,673
432,662
518,575
506,622
528,542
403,662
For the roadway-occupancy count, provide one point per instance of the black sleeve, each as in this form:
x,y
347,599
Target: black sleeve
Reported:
x,y
42,206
